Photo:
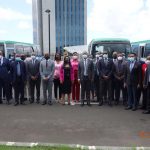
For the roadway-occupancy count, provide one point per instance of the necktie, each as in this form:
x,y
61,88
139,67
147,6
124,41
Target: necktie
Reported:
x,y
18,69
131,66
46,64
85,68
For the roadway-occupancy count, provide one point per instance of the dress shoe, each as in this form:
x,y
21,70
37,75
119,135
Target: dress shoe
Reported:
x,y
1,102
25,99
82,104
134,109
127,108
142,107
100,103
89,104
146,112
38,102
22,103
7,102
16,104
110,104
50,103
44,103
116,102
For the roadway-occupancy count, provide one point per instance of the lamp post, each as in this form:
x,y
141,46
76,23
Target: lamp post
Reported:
x,y
48,12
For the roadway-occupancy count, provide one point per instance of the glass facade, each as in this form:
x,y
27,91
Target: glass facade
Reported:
x,y
69,15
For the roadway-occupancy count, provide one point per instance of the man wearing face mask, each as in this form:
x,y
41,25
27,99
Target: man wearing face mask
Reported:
x,y
18,71
132,81
33,72
114,56
119,73
47,68
85,77
96,75
4,77
76,84
106,70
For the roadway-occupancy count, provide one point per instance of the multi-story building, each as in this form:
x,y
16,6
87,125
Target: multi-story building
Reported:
x,y
68,23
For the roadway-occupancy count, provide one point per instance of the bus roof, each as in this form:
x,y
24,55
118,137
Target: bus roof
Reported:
x,y
15,42
138,42
110,40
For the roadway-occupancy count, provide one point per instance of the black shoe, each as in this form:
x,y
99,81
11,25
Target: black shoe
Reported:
x,y
25,99
100,103
134,109
89,105
146,112
127,108
50,103
7,102
82,104
142,107
31,101
110,104
16,104
22,103
44,103
116,102
38,102
1,102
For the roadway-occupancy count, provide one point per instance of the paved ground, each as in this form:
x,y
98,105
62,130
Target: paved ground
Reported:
x,y
101,126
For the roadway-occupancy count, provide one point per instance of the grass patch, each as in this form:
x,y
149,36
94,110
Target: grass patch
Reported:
x,y
36,148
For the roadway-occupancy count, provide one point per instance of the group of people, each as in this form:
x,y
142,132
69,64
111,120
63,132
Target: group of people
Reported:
x,y
102,77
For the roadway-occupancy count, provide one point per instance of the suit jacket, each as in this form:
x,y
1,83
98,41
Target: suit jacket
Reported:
x,y
106,70
47,71
14,70
62,73
90,69
33,69
4,69
133,77
120,73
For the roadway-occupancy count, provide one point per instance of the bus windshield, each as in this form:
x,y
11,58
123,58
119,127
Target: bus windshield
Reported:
x,y
111,47
147,50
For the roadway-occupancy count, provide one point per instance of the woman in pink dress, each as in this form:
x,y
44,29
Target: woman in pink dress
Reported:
x,y
57,85
76,84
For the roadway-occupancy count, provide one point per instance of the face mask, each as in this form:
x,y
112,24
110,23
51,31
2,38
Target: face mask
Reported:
x,y
18,59
131,59
105,56
147,62
33,57
100,58
97,56
84,56
120,58
75,57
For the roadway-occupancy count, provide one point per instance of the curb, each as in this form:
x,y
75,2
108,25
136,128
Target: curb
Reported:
x,y
22,144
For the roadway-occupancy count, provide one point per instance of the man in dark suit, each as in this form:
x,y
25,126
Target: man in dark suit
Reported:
x,y
119,74
18,71
4,77
106,70
132,81
33,72
146,86
96,75
85,76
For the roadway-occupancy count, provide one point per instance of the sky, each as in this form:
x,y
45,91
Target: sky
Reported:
x,y
105,19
